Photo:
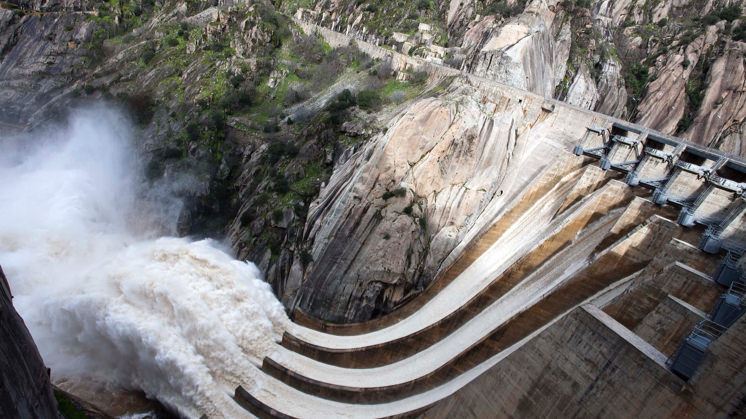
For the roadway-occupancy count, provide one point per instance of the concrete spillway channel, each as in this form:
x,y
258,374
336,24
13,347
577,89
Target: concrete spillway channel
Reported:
x,y
629,252
505,295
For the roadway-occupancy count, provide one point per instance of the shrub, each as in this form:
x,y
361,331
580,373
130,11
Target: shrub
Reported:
x,y
369,100
709,19
280,185
279,149
636,79
688,37
398,192
148,53
277,215
237,79
248,216
296,95
271,126
328,70
192,130
397,96
385,70
694,94
141,107
729,13
217,119
739,32
502,8
340,104
237,100
305,257
419,77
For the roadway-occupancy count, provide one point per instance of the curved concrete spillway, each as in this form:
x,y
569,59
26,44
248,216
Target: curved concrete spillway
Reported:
x,y
594,244
583,248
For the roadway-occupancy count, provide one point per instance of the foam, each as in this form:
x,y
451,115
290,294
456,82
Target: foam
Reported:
x,y
178,319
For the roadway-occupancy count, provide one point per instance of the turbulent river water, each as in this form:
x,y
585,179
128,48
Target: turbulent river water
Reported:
x,y
107,299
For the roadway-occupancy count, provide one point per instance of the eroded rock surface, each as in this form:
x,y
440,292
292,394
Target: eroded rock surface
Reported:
x,y
26,388
394,212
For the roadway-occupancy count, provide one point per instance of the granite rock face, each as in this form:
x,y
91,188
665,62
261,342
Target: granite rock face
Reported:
x,y
394,214
529,52
646,62
39,56
25,388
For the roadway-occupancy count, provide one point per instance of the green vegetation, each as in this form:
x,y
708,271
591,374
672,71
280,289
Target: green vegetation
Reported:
x,y
727,13
67,408
505,8
635,79
739,32
398,192
695,90
369,100
229,99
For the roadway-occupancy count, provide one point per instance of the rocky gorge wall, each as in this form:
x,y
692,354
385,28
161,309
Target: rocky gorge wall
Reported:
x,y
25,387
402,207
674,67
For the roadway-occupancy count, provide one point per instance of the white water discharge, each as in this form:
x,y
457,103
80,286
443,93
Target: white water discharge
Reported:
x,y
105,300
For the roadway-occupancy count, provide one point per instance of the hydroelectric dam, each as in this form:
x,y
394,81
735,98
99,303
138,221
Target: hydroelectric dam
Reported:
x,y
612,284
596,268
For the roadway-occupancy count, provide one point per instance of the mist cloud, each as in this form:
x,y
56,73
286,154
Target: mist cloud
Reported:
x,y
104,299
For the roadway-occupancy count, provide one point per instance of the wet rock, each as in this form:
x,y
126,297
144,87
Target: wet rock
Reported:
x,y
27,390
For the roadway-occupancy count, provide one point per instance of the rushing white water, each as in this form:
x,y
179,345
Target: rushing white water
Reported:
x,y
106,301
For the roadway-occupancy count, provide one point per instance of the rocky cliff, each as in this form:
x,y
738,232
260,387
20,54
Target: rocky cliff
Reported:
x,y
658,63
396,209
24,380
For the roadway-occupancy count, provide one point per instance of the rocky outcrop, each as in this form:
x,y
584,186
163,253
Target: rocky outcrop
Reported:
x,y
529,52
639,61
721,118
583,91
25,388
54,5
612,93
39,57
394,213
666,101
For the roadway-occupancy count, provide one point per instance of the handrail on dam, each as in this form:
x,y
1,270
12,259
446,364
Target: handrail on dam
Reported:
x,y
728,308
